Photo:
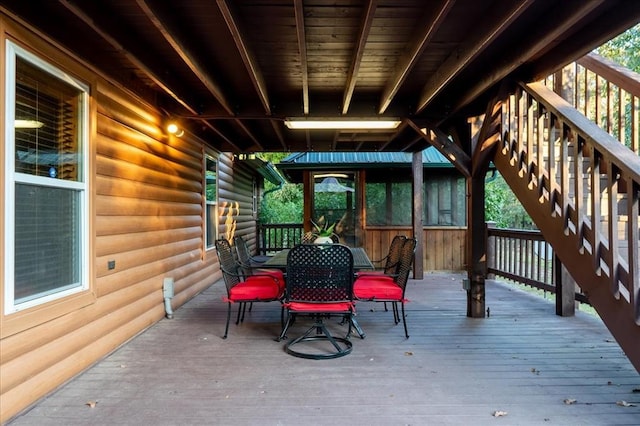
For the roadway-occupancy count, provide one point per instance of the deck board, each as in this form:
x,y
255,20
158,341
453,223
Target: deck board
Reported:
x,y
453,370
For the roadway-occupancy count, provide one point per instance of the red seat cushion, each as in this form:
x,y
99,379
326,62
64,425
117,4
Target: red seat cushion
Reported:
x,y
376,274
320,307
255,288
372,288
275,273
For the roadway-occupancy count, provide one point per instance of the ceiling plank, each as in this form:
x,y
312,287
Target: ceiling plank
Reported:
x,y
418,46
564,16
278,131
126,53
246,54
460,58
302,49
365,28
140,65
188,58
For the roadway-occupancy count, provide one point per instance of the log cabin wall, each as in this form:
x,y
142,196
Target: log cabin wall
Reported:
x,y
145,215
237,192
444,247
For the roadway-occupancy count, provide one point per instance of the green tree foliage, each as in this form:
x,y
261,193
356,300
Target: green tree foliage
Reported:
x,y
503,208
280,205
624,49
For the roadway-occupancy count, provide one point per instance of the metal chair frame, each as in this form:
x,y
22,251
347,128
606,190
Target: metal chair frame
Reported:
x,y
400,279
319,285
233,275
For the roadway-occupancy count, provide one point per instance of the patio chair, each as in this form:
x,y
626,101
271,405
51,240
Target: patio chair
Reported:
x,y
319,285
389,288
245,256
242,288
249,265
389,263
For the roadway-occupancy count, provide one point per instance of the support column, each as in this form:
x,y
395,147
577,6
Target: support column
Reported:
x,y
477,247
565,290
417,171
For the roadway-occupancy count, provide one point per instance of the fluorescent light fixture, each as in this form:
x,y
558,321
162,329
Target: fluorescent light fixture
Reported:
x,y
28,124
342,123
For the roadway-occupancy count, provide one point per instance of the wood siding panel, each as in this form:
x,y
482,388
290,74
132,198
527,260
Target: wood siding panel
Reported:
x,y
445,248
147,216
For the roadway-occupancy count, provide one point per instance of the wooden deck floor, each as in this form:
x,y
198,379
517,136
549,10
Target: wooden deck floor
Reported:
x,y
522,360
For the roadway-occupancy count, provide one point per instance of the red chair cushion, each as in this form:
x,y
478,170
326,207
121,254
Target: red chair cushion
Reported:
x,y
275,273
372,288
255,288
376,274
320,307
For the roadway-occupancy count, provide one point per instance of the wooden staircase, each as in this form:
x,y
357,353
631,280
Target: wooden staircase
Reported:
x,y
581,187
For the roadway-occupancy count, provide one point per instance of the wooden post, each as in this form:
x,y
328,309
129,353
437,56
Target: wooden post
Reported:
x,y
565,290
417,173
477,247
491,249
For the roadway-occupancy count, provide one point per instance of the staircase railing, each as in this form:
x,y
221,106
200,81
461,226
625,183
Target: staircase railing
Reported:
x,y
605,93
582,189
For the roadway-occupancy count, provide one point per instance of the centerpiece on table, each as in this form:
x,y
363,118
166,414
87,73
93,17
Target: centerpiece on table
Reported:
x,y
323,232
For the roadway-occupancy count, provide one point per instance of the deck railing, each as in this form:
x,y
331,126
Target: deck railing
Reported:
x,y
605,93
525,257
276,237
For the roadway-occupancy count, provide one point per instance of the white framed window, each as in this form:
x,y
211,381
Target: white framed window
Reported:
x,y
46,197
211,201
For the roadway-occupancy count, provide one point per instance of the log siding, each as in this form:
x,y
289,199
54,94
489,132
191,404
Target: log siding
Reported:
x,y
146,215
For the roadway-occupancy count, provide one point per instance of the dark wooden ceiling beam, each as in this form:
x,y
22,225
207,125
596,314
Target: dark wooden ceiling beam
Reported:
x,y
302,51
481,38
564,16
277,129
417,47
250,63
618,19
363,35
186,57
140,65
448,148
127,54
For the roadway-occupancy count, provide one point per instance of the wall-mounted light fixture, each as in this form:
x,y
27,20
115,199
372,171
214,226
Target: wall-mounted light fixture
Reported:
x,y
341,123
174,129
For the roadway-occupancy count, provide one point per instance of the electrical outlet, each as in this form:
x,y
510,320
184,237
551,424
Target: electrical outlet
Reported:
x,y
111,264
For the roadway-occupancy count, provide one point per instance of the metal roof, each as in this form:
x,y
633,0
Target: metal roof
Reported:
x,y
430,158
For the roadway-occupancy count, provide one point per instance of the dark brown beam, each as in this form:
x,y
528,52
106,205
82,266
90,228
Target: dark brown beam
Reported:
x,y
402,127
365,27
247,56
302,47
417,47
186,56
121,49
618,19
139,64
449,149
459,59
278,131
564,16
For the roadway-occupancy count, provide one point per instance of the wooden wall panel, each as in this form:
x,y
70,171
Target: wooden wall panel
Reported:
x,y
444,250
147,209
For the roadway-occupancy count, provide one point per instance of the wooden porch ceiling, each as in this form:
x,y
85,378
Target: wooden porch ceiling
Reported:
x,y
234,70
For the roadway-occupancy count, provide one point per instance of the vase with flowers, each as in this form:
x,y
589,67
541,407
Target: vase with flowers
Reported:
x,y
323,231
